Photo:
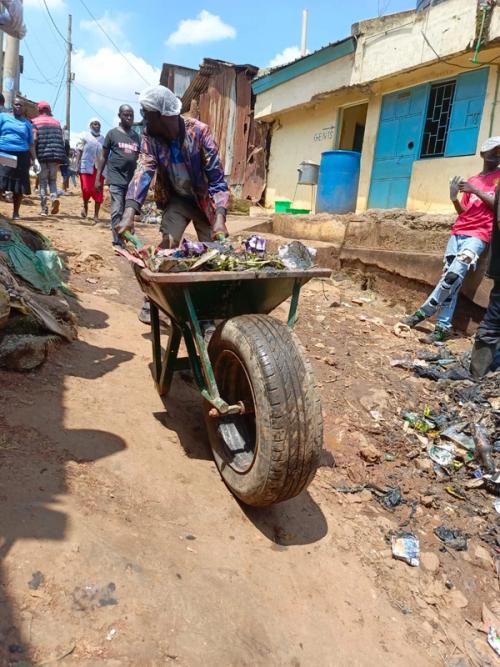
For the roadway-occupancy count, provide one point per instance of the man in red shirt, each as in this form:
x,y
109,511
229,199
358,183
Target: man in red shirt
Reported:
x,y
470,236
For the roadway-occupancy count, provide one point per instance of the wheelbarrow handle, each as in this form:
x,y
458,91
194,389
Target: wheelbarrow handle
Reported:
x,y
132,238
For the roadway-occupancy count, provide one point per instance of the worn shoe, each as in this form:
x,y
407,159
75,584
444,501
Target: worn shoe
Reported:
x,y
412,320
439,335
44,212
54,209
145,313
83,214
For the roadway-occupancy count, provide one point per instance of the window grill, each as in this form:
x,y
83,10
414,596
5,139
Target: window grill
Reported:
x,y
438,119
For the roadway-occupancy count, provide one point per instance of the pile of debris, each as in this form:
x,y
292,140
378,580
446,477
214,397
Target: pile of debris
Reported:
x,y
248,255
34,311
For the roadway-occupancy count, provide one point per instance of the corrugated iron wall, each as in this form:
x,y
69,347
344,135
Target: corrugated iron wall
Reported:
x,y
221,96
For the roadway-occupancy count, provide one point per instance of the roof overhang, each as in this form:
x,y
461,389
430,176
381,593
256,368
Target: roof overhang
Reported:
x,y
304,65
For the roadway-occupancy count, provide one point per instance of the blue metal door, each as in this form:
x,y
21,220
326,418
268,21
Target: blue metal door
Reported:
x,y
399,137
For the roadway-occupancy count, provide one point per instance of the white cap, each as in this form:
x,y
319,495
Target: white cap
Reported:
x,y
162,99
490,144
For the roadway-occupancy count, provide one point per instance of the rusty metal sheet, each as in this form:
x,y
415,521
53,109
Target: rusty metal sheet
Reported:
x,y
242,127
254,182
221,96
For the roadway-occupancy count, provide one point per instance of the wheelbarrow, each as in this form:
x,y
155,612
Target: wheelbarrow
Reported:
x,y
261,407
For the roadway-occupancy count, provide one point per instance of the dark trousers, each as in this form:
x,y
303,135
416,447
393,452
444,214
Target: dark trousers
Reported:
x,y
179,213
488,331
118,194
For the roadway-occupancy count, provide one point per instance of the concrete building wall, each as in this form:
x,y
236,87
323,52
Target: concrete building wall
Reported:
x,y
297,136
301,89
392,54
390,44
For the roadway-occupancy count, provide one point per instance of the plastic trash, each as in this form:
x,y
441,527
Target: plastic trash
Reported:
x,y
406,547
255,244
496,505
484,449
452,537
494,640
37,580
442,454
297,256
391,499
456,436
422,424
193,248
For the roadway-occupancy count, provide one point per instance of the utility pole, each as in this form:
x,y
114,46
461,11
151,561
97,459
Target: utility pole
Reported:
x,y
11,71
69,75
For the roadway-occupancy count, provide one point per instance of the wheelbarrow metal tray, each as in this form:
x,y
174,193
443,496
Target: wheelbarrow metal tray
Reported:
x,y
222,295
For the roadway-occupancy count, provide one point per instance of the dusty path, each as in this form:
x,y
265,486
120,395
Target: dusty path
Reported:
x,y
146,559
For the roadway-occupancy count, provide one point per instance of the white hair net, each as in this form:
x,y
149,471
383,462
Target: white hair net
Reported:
x,y
490,144
162,99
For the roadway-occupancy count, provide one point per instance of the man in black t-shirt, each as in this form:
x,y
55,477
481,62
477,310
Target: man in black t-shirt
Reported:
x,y
488,333
119,152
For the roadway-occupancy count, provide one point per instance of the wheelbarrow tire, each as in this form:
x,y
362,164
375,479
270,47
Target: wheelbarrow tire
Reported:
x,y
287,418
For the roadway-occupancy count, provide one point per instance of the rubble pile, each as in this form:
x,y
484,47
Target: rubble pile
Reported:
x,y
34,312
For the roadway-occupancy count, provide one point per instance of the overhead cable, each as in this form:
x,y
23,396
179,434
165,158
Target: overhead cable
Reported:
x,y
113,42
54,23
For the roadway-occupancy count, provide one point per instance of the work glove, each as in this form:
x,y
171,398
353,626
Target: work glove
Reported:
x,y
36,167
455,187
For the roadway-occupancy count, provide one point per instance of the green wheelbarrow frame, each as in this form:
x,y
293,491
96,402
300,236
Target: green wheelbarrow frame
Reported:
x,y
191,298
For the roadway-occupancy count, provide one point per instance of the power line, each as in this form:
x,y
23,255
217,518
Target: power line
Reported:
x,y
54,23
112,42
108,97
56,42
59,88
76,87
35,62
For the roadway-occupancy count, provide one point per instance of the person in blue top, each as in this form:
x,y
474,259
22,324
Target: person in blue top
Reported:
x,y
16,139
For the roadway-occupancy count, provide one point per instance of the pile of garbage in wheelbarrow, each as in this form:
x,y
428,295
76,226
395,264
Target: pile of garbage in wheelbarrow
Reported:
x,y
250,254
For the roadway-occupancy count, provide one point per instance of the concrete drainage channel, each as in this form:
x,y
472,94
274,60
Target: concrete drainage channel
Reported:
x,y
395,251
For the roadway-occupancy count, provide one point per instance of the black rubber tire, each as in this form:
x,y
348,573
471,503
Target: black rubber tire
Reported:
x,y
286,427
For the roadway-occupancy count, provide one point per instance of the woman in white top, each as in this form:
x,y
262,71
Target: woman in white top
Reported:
x,y
89,148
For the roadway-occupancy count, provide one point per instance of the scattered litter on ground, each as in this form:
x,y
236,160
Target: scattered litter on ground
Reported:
x,y
494,640
442,454
37,580
90,597
391,499
452,538
405,547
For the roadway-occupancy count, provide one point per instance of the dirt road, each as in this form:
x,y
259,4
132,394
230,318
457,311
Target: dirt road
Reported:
x,y
121,545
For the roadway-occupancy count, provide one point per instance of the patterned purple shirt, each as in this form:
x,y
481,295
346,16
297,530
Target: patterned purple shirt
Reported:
x,y
203,164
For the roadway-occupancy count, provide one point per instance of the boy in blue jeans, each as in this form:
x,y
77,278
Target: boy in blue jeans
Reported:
x,y
470,236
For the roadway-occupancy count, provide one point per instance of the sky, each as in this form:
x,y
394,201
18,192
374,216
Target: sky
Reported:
x,y
149,33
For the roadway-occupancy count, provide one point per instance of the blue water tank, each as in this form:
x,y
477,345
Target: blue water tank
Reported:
x,y
338,182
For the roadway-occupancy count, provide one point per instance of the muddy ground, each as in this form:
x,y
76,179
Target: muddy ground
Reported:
x,y
120,545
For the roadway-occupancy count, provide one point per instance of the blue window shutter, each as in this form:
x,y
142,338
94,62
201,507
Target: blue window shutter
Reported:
x,y
466,113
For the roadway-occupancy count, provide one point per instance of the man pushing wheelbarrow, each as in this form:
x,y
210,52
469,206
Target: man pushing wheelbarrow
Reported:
x,y
190,184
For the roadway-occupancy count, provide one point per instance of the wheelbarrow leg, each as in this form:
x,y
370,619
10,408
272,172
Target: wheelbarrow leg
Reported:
x,y
292,315
169,360
163,369
201,364
155,331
